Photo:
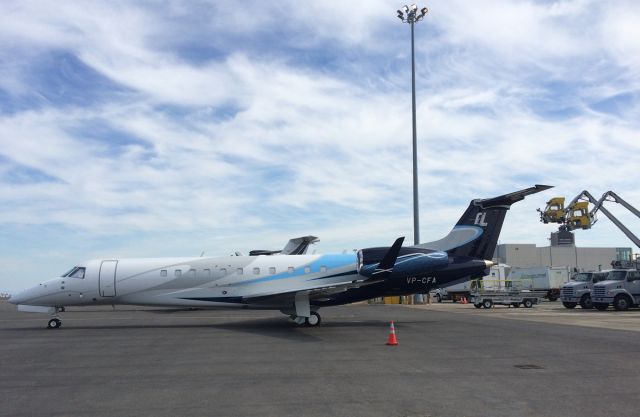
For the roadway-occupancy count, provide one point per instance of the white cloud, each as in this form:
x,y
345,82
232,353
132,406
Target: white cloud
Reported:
x,y
238,149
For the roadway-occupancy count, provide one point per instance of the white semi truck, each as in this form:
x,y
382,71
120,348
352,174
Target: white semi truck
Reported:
x,y
621,289
578,290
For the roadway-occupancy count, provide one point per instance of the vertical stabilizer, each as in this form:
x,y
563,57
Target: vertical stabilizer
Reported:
x,y
476,233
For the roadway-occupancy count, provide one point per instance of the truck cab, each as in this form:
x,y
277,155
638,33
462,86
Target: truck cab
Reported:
x,y
621,289
578,290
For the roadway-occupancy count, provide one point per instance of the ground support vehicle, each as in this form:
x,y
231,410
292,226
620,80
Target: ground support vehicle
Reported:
x,y
621,289
578,291
462,290
547,280
513,293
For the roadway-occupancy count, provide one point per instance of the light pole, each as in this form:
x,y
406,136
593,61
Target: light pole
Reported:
x,y
411,15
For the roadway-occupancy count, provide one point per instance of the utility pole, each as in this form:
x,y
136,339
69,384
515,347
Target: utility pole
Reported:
x,y
410,15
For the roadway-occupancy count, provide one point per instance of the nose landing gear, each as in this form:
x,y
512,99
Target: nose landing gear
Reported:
x,y
55,322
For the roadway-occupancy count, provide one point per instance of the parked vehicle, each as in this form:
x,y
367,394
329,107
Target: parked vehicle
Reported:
x,y
487,293
621,289
548,280
578,290
458,291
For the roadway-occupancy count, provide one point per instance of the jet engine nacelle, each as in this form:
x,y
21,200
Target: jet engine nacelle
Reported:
x,y
410,262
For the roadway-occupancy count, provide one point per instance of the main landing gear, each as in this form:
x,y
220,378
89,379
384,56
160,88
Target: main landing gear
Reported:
x,y
313,320
302,313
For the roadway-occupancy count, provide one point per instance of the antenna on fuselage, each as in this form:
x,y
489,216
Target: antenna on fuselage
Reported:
x,y
202,254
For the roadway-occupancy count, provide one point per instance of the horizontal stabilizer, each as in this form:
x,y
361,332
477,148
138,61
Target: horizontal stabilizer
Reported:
x,y
509,199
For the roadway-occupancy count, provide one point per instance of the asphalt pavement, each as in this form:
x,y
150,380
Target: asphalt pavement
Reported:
x,y
450,361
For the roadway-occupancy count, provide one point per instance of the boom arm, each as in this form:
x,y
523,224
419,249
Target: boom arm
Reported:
x,y
616,198
598,205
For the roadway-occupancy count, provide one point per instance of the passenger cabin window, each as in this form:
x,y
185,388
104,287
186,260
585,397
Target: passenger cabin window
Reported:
x,y
223,271
272,270
191,273
240,271
178,273
290,270
163,273
307,269
256,271
206,273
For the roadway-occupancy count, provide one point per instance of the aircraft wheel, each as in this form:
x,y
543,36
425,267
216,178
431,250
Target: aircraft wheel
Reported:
x,y
313,320
54,324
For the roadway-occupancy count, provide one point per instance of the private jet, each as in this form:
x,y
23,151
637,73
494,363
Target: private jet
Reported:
x,y
290,280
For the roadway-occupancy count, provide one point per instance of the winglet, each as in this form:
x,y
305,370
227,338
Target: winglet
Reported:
x,y
389,260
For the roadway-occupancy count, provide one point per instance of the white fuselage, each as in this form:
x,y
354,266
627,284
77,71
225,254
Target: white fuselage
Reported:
x,y
193,282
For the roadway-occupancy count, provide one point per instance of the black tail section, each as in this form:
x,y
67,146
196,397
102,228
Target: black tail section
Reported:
x,y
476,233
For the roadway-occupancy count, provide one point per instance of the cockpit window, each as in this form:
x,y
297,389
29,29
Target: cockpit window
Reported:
x,y
78,273
66,274
75,272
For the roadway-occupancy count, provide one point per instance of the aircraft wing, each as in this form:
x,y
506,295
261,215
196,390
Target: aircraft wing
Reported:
x,y
285,298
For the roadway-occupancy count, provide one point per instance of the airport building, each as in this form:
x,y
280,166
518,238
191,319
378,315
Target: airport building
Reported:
x,y
525,255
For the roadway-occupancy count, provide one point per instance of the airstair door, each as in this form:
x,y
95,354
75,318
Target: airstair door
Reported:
x,y
108,278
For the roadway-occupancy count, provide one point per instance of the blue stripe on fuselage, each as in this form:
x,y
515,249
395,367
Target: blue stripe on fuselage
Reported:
x,y
328,261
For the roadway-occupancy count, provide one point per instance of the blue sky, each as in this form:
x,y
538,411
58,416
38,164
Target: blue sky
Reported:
x,y
171,128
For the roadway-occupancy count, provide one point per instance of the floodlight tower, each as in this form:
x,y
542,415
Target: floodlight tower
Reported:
x,y
411,15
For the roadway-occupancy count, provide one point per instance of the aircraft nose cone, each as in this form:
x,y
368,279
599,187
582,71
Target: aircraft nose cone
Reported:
x,y
19,298
13,299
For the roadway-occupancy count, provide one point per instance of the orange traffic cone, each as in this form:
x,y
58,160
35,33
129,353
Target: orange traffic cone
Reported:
x,y
464,300
392,341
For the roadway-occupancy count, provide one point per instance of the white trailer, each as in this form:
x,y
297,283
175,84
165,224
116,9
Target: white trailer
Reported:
x,y
455,292
544,279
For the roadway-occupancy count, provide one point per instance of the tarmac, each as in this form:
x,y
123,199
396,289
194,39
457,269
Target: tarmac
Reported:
x,y
452,360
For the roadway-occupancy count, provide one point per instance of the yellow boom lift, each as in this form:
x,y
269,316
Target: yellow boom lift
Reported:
x,y
576,214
